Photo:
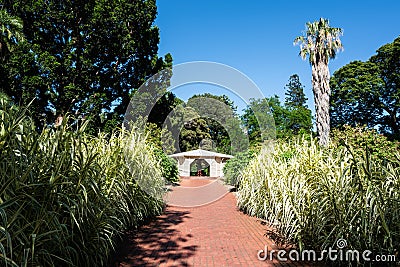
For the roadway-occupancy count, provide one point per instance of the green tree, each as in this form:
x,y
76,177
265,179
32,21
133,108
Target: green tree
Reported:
x,y
249,119
193,133
299,121
299,115
368,93
387,59
320,43
355,95
184,130
219,112
288,120
269,108
295,96
10,33
163,107
82,57
281,116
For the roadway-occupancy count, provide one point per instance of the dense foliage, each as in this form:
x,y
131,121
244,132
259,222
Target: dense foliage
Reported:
x,y
299,115
270,109
288,120
169,167
83,57
10,34
66,196
360,139
233,169
218,112
313,196
367,93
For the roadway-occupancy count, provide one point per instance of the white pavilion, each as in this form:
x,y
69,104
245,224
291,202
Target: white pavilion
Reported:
x,y
212,162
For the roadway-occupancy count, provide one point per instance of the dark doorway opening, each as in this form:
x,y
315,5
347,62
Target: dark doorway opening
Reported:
x,y
199,167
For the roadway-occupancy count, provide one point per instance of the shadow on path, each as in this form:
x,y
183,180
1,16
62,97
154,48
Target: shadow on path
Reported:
x,y
216,234
157,243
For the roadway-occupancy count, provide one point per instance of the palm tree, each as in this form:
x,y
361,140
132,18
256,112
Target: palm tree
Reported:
x,y
10,33
320,43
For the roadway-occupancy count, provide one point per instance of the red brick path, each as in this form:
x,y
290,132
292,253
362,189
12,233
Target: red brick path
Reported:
x,y
196,193
216,234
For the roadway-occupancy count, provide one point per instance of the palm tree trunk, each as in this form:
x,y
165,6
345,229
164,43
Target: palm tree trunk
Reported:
x,y
321,89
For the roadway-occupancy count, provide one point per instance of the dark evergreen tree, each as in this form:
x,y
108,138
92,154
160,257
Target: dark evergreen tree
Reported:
x,y
299,117
295,96
164,106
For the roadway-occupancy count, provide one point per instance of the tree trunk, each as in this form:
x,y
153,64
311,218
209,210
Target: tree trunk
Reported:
x,y
394,125
321,89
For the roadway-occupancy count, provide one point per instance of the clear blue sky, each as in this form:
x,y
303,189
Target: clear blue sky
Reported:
x,y
256,37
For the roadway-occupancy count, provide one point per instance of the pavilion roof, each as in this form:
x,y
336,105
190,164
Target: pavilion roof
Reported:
x,y
201,153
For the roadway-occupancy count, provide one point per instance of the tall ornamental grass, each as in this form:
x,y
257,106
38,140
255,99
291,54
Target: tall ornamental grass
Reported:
x,y
65,197
313,196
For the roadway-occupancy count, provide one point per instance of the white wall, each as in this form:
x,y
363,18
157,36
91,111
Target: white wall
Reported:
x,y
216,166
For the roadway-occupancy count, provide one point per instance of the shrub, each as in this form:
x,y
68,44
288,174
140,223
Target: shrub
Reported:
x,y
361,138
234,167
169,167
316,196
65,197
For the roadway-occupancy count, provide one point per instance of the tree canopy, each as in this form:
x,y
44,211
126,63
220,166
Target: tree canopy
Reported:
x,y
205,121
291,118
368,93
10,33
271,108
219,112
82,57
184,129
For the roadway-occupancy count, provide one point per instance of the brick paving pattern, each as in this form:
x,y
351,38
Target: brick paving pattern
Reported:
x,y
196,193
216,234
